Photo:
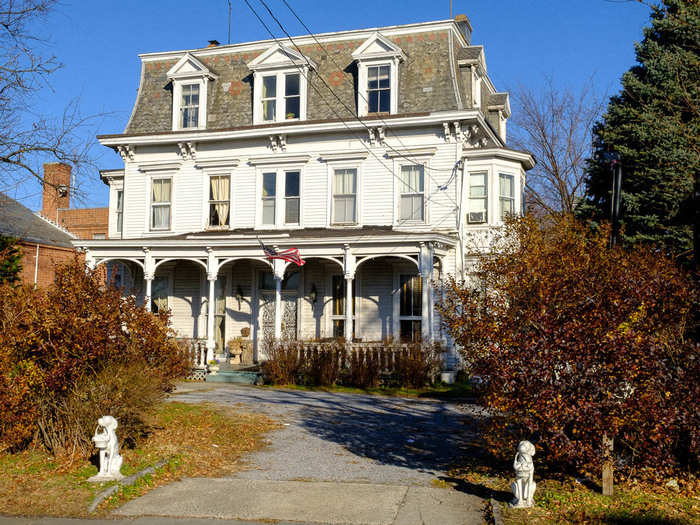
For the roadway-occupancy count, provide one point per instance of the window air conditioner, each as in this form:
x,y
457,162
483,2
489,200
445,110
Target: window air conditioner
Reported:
x,y
477,216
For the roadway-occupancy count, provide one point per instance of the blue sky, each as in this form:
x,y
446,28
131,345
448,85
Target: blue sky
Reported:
x,y
525,40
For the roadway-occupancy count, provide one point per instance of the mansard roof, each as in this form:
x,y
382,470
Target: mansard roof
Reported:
x,y
426,76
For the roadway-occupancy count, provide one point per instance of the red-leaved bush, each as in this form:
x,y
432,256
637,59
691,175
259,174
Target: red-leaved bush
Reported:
x,y
75,351
572,340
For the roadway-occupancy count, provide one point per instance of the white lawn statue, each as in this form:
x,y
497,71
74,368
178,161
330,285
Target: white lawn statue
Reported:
x,y
523,487
106,442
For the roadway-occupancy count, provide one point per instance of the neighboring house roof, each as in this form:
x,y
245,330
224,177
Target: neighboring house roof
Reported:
x,y
17,220
425,79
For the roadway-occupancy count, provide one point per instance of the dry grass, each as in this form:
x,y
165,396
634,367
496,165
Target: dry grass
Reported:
x,y
565,500
198,440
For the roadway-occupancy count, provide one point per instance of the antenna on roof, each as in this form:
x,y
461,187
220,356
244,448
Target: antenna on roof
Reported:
x,y
229,21
450,8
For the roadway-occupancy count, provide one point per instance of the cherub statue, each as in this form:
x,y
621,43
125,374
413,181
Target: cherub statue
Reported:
x,y
523,487
108,445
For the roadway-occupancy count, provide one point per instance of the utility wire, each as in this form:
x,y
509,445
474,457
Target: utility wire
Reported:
x,y
267,28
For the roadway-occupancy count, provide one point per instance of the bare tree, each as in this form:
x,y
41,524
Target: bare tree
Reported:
x,y
555,125
27,139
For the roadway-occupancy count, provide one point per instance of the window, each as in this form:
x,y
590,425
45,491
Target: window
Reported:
x,y
160,204
276,105
189,106
338,288
219,200
159,294
345,196
506,195
412,206
478,197
269,196
269,98
120,210
292,96
379,89
410,306
291,197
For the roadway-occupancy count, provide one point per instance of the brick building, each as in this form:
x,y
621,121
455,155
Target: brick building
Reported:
x,y
45,237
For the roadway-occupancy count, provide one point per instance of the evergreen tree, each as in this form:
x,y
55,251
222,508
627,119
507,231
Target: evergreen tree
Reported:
x,y
10,260
655,127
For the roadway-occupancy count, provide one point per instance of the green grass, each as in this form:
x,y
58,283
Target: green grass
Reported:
x,y
456,391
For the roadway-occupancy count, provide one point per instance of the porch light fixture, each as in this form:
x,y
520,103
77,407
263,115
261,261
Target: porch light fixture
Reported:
x,y
239,295
313,294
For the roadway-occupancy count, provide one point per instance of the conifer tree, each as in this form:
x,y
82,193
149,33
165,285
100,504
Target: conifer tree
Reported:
x,y
10,260
654,125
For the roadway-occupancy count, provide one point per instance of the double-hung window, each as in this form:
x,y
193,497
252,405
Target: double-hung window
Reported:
x,y
189,106
478,197
292,197
280,198
280,97
120,210
269,198
506,195
161,193
379,89
344,196
412,189
410,305
219,200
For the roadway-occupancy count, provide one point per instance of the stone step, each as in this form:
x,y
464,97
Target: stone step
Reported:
x,y
234,376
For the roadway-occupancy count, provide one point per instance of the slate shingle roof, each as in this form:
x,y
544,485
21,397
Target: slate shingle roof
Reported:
x,y
230,96
17,220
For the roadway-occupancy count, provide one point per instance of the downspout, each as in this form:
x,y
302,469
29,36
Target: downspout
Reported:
x,y
36,265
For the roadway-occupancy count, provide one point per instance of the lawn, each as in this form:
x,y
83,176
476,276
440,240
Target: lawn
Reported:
x,y
564,500
197,440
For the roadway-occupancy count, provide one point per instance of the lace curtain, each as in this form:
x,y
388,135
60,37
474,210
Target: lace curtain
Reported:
x,y
220,188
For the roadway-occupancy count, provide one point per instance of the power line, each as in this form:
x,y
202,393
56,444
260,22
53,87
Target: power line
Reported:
x,y
267,28
359,91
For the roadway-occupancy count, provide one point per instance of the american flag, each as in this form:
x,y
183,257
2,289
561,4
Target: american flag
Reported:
x,y
289,255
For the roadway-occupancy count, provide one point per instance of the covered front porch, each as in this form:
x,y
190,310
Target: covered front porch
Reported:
x,y
218,286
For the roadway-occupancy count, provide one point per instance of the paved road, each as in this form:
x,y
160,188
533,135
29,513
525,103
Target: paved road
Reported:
x,y
338,458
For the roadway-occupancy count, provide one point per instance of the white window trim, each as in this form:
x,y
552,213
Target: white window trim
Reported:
x,y
114,187
205,205
177,102
514,198
362,88
427,190
302,71
332,166
149,202
280,199
487,209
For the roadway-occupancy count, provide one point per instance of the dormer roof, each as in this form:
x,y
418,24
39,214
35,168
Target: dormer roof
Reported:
x,y
279,56
189,67
378,46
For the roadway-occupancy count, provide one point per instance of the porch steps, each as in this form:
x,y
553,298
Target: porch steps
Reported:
x,y
228,374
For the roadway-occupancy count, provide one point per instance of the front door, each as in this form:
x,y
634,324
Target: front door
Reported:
x,y
266,306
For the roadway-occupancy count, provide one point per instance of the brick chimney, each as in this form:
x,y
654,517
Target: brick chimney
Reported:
x,y
56,189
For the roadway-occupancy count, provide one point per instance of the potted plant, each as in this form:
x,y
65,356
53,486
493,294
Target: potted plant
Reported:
x,y
291,116
214,366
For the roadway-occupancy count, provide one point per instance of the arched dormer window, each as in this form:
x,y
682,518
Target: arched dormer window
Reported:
x,y
190,78
378,76
280,85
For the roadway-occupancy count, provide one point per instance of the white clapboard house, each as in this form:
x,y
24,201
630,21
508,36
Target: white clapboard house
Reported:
x,y
375,152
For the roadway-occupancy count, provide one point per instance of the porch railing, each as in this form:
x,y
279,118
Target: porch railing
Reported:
x,y
198,351
386,355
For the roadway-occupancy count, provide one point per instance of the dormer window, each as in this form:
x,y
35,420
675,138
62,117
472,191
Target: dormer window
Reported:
x,y
190,79
279,85
378,72
189,106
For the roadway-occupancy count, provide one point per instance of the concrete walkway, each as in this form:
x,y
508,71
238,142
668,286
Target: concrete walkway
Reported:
x,y
338,459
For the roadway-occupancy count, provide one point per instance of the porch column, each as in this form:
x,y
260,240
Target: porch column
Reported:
x,y
426,272
278,271
148,274
212,272
431,296
349,265
148,278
